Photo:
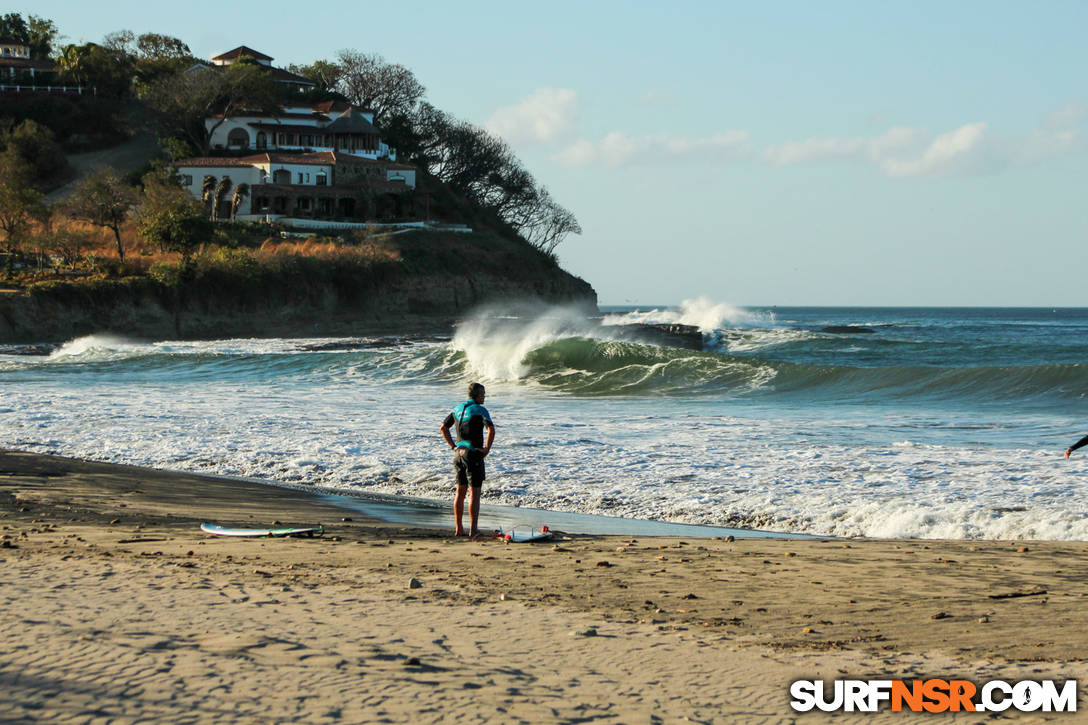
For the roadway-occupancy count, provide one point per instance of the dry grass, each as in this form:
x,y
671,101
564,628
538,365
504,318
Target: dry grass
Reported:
x,y
99,252
362,253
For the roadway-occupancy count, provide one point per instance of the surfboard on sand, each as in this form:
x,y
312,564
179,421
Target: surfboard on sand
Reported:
x,y
522,533
218,530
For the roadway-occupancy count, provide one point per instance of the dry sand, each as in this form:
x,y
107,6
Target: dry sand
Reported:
x,y
116,608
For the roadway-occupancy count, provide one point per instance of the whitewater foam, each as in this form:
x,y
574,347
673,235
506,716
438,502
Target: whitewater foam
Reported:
x,y
597,426
496,342
701,312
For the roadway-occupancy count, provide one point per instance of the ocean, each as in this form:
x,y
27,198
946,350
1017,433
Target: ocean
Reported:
x,y
884,422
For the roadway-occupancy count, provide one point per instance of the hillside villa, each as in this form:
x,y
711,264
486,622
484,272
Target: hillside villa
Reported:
x,y
19,73
314,185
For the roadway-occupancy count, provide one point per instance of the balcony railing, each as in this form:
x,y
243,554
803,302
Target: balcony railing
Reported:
x,y
27,88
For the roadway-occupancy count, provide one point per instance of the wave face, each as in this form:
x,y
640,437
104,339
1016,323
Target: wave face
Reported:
x,y
877,361
875,422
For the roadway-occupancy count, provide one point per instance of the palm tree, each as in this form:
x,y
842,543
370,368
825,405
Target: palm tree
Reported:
x,y
240,193
70,62
220,195
207,191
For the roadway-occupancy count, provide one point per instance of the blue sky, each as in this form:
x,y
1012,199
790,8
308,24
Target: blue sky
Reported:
x,y
757,153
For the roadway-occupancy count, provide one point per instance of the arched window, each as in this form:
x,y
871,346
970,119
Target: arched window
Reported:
x,y
238,138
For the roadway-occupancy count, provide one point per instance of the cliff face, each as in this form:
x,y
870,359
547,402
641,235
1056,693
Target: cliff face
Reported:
x,y
426,289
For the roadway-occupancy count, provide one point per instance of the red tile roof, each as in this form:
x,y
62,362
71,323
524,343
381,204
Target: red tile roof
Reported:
x,y
328,106
240,51
286,76
313,158
26,63
212,161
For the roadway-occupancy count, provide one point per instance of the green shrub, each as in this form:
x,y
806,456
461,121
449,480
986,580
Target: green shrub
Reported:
x,y
166,274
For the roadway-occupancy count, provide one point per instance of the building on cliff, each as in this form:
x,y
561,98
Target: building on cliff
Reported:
x,y
329,126
326,185
291,80
20,73
307,161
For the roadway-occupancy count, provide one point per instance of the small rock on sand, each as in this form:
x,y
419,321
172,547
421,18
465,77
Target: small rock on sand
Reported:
x,y
414,583
588,632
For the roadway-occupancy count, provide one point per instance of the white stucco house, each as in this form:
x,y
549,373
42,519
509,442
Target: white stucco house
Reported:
x,y
19,72
313,185
286,77
329,126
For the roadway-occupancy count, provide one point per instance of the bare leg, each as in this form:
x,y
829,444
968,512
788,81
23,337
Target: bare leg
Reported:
x,y
459,509
474,510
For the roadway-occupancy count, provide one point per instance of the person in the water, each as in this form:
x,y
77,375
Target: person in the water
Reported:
x,y
1079,444
470,417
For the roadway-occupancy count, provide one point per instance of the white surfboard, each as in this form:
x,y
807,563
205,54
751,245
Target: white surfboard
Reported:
x,y
218,530
522,533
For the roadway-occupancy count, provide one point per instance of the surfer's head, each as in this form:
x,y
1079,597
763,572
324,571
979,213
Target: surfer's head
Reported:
x,y
476,392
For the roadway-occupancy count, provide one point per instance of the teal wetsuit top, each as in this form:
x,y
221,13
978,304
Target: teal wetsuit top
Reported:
x,y
469,418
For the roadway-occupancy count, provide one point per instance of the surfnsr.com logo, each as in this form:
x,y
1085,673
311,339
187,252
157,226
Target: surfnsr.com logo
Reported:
x,y
933,695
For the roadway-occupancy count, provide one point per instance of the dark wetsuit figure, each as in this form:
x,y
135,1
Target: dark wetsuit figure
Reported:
x,y
469,418
1079,444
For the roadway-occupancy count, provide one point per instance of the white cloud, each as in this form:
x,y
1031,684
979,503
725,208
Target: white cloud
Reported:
x,y
955,151
620,149
1067,117
836,149
579,153
656,97
546,115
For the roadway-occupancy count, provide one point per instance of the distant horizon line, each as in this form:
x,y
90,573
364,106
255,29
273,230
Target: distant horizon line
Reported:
x,y
867,307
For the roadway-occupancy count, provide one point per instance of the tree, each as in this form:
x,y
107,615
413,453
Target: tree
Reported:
x,y
207,193
325,74
19,200
40,36
37,146
183,100
13,26
172,219
222,189
370,82
160,55
175,148
549,224
108,68
103,199
237,199
68,245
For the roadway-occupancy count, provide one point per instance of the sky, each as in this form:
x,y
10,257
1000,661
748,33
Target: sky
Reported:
x,y
755,153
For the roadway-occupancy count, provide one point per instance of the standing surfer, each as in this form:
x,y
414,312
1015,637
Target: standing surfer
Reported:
x,y
470,417
1079,444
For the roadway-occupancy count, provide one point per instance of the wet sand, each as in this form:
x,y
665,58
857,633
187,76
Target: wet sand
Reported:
x,y
117,608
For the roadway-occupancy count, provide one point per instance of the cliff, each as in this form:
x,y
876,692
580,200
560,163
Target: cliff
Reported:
x,y
433,280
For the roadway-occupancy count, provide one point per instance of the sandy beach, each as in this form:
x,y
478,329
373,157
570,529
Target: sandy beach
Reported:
x,y
117,608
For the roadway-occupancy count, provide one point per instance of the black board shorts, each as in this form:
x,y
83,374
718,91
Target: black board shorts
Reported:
x,y
468,466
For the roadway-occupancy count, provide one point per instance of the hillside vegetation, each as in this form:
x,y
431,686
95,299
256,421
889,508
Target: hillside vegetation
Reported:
x,y
137,253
